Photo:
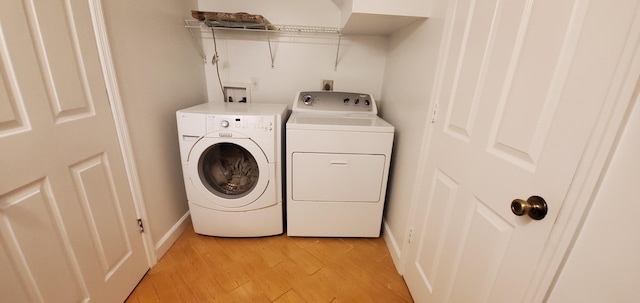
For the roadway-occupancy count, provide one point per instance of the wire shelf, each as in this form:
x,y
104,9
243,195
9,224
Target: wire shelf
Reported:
x,y
207,25
308,29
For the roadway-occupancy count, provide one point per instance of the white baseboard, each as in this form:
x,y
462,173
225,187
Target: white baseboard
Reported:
x,y
392,245
163,245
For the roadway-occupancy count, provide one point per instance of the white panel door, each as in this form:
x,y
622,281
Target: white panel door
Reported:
x,y
520,89
68,230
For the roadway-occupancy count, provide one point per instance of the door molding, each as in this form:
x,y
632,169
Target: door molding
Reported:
x,y
122,130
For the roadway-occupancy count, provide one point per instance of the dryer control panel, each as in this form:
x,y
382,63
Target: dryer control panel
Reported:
x,y
335,103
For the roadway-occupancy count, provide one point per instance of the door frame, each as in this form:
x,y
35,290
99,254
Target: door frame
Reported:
x,y
122,130
588,176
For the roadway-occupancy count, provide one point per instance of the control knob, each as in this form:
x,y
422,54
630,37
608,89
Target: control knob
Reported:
x,y
224,123
307,99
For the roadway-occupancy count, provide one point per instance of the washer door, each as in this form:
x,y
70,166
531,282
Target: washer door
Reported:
x,y
228,172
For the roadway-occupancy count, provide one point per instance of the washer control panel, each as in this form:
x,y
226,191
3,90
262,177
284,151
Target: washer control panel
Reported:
x,y
335,102
248,125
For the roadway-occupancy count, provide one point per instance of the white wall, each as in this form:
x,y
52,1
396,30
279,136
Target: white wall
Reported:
x,y
400,7
159,71
407,88
604,263
301,63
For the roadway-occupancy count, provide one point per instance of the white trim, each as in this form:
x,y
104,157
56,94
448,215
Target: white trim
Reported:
x,y
115,100
392,246
173,234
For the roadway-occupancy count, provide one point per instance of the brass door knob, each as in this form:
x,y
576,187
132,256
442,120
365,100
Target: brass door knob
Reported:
x,y
535,207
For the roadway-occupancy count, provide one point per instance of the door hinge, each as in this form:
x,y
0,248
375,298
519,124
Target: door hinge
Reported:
x,y
140,225
409,236
433,114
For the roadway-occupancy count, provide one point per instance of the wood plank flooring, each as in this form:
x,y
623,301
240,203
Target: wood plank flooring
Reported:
x,y
273,269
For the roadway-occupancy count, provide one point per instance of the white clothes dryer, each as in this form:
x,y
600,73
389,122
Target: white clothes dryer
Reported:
x,y
232,165
338,152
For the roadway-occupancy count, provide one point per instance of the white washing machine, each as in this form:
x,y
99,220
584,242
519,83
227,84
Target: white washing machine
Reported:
x,y
338,152
232,164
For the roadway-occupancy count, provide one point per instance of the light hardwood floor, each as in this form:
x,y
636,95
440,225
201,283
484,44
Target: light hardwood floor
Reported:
x,y
273,269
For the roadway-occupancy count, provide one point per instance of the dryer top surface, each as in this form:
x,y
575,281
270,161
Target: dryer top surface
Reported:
x,y
303,121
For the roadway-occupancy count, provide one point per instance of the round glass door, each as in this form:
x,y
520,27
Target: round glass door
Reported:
x,y
229,173
228,170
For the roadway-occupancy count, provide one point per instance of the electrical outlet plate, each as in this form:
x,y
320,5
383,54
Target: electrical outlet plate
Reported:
x,y
327,85
255,83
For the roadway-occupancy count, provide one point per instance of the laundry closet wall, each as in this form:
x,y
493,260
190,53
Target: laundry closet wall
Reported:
x,y
158,71
408,77
301,62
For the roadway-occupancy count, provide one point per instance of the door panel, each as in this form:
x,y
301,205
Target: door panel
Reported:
x,y
13,117
30,210
101,207
522,86
462,91
485,244
11,286
60,37
436,225
67,219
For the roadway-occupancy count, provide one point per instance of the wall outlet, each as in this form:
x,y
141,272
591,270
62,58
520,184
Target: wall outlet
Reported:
x,y
327,85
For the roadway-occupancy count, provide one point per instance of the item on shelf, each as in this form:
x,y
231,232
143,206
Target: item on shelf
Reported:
x,y
232,20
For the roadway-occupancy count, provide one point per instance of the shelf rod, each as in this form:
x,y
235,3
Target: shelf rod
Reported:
x,y
335,67
273,59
